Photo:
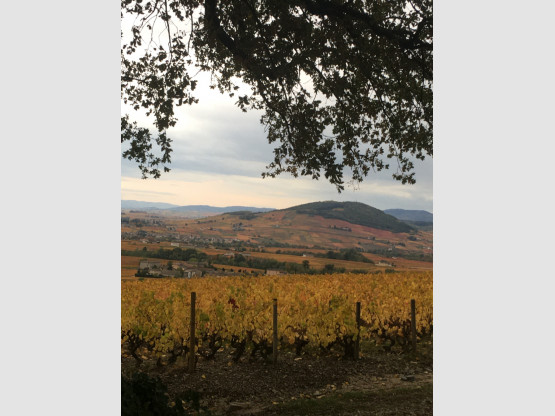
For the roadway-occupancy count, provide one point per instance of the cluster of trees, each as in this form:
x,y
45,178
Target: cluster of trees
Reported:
x,y
244,215
177,253
291,252
143,273
350,254
253,262
409,255
269,242
239,260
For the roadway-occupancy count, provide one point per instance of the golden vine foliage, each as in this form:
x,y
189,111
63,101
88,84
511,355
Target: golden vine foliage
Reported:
x,y
313,309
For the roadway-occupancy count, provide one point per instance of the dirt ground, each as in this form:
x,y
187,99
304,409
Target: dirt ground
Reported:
x,y
379,383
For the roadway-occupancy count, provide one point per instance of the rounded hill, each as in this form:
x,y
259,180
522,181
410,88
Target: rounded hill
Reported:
x,y
355,213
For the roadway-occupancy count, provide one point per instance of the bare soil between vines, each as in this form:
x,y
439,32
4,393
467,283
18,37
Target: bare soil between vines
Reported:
x,y
379,383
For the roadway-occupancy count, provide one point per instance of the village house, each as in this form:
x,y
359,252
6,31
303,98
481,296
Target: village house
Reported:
x,y
159,269
191,273
150,264
176,273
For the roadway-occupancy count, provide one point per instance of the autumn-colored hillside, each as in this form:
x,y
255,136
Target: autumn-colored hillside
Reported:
x,y
291,235
290,228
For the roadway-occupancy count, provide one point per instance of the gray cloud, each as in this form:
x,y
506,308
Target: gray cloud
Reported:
x,y
214,139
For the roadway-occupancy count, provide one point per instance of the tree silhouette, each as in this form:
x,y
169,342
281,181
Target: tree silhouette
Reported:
x,y
342,84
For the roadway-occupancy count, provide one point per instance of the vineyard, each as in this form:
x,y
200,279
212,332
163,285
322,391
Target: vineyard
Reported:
x,y
316,313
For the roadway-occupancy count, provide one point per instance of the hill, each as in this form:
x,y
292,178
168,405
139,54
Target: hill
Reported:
x,y
320,233
354,213
411,215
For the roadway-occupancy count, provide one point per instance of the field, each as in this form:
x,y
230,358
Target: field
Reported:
x,y
129,266
328,361
317,330
305,385
291,228
380,262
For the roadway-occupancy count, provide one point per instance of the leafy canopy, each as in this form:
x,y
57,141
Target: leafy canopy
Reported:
x,y
342,84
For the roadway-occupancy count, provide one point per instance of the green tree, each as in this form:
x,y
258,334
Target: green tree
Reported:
x,y
342,84
306,264
328,268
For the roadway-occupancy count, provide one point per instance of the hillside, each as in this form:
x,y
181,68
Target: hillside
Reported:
x,y
354,213
411,215
293,234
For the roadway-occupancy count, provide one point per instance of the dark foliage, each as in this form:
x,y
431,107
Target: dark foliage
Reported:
x,y
350,254
142,395
342,84
174,254
355,213
239,260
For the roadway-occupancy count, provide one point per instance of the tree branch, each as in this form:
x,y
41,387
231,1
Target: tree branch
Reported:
x,y
404,38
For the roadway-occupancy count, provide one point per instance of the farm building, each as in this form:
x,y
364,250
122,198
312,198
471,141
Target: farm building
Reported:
x,y
150,264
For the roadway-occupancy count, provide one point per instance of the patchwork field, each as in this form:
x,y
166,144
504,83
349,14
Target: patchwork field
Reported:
x,y
130,264
316,370
287,236
293,229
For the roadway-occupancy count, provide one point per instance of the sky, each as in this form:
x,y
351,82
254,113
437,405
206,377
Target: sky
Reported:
x,y
220,153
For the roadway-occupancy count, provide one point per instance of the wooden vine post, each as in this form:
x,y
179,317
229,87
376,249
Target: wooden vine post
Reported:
x,y
357,339
413,323
275,330
192,335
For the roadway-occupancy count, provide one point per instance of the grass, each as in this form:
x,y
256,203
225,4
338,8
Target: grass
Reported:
x,y
417,400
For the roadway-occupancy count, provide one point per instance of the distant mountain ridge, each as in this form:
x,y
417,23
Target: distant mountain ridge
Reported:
x,y
411,215
208,209
218,210
132,204
354,213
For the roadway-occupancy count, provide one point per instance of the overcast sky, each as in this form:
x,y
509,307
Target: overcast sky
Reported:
x,y
220,153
